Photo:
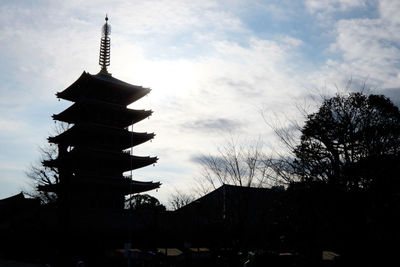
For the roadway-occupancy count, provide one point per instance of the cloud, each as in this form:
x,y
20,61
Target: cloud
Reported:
x,y
389,11
330,6
201,158
241,86
11,126
367,50
214,125
172,17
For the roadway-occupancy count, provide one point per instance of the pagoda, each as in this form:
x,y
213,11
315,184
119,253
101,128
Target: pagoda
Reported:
x,y
95,152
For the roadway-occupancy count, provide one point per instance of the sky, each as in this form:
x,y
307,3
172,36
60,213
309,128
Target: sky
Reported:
x,y
214,68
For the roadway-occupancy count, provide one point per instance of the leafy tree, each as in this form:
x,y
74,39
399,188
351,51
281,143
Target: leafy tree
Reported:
x,y
346,130
144,202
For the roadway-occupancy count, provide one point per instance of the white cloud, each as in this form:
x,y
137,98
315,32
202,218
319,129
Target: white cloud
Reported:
x,y
330,6
389,11
367,49
230,85
11,126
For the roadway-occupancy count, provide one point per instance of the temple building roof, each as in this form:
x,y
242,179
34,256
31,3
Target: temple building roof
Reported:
x,y
103,113
103,87
93,159
122,185
90,134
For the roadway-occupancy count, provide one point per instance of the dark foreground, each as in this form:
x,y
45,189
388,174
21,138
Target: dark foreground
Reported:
x,y
168,257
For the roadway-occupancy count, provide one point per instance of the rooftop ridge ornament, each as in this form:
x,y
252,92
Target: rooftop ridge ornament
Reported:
x,y
105,44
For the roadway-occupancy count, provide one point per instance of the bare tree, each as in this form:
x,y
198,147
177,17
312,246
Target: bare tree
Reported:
x,y
281,161
287,131
248,164
178,199
235,164
42,175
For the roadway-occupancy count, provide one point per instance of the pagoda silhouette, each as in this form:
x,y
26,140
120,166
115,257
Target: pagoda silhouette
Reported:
x,y
95,152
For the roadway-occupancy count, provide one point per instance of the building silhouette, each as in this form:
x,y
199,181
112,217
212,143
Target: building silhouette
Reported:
x,y
93,163
95,152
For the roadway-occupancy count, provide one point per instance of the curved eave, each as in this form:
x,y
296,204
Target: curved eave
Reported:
x,y
91,134
103,87
102,113
95,160
122,185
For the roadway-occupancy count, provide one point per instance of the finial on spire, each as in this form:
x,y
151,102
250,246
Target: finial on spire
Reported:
x,y
105,44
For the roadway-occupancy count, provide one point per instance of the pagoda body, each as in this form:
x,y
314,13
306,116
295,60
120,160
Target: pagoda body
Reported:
x,y
94,153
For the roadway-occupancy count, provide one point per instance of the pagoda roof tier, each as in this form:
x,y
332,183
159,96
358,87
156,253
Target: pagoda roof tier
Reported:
x,y
123,185
90,134
103,87
101,113
94,160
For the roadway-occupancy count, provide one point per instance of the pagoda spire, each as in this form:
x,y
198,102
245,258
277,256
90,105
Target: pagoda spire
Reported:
x,y
105,43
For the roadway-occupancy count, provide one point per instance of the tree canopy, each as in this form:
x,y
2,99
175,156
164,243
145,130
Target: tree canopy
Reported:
x,y
144,202
345,131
